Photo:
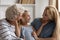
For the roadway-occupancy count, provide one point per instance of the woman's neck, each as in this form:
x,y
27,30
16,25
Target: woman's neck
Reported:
x,y
25,24
44,21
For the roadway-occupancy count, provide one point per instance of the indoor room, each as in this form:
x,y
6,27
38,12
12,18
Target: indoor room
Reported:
x,y
30,19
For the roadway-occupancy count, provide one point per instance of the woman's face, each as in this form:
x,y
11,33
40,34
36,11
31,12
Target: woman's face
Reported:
x,y
27,17
45,15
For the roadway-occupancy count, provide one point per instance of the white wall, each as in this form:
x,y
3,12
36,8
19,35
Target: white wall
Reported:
x,y
39,8
8,2
2,11
4,4
35,10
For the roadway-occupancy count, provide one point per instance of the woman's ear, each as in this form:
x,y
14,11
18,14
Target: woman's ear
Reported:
x,y
13,18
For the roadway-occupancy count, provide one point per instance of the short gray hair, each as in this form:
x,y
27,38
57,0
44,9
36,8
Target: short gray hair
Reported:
x,y
14,10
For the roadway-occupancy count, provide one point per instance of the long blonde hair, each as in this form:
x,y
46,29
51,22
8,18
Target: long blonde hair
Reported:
x,y
23,16
54,15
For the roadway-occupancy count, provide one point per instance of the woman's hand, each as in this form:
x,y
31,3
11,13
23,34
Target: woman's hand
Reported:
x,y
41,27
35,36
17,27
43,24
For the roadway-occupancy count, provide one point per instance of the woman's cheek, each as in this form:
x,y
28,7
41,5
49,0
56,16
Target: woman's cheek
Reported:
x,y
29,18
20,17
45,18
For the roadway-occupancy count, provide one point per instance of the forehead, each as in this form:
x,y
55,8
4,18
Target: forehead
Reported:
x,y
46,10
27,13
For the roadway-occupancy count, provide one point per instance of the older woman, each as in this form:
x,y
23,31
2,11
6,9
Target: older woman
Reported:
x,y
45,26
9,28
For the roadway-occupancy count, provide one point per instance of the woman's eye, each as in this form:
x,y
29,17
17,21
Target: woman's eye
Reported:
x,y
45,14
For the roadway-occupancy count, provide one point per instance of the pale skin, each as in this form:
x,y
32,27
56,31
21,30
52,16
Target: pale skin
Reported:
x,y
17,29
25,23
17,26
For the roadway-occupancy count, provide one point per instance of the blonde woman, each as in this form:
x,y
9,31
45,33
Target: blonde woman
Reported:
x,y
47,27
26,28
9,28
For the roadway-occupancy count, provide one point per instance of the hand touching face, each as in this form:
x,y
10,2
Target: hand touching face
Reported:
x,y
27,17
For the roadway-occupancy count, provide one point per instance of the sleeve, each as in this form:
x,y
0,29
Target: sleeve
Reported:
x,y
36,23
33,23
5,33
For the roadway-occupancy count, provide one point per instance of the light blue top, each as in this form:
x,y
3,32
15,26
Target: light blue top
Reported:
x,y
27,32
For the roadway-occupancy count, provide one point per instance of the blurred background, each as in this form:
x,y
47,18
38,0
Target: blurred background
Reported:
x,y
35,7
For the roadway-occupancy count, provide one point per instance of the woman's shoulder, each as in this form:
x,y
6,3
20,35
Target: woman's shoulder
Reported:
x,y
26,27
3,22
23,27
37,19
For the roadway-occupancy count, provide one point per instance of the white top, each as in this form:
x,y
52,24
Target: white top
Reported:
x,y
27,32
